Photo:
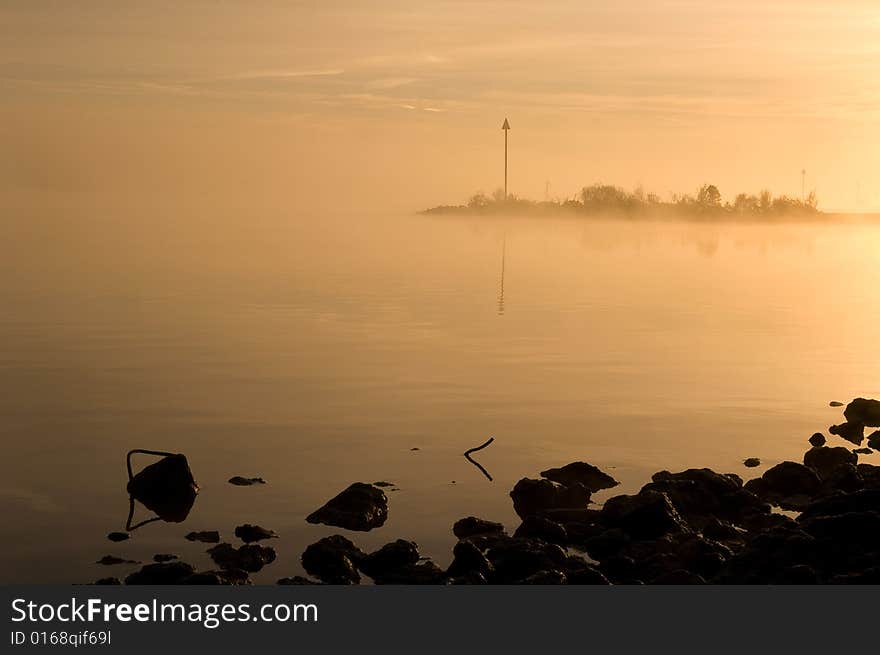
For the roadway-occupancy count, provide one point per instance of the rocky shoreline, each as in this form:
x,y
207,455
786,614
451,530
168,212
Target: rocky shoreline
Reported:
x,y
810,522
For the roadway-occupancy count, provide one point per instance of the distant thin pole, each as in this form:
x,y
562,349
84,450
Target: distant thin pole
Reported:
x,y
505,164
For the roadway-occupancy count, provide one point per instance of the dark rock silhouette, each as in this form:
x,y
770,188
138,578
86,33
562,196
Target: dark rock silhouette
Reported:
x,y
205,536
470,526
539,527
534,497
825,460
333,560
818,439
107,581
751,462
296,580
874,440
863,411
251,533
852,432
118,536
240,481
646,515
250,557
110,560
164,557
161,574
389,558
588,475
788,484
360,507
166,487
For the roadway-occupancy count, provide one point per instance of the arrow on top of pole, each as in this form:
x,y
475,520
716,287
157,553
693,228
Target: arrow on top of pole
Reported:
x,y
506,125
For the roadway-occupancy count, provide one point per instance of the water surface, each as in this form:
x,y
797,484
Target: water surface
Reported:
x,y
316,350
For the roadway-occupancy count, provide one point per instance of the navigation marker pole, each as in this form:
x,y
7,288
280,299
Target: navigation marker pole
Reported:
x,y
506,128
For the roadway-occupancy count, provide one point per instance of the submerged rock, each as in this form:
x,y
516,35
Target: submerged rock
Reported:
x,y
166,487
360,507
824,460
205,536
250,557
534,497
818,439
835,403
751,462
251,533
333,560
471,525
118,536
852,432
164,557
240,481
593,478
863,451
161,574
863,411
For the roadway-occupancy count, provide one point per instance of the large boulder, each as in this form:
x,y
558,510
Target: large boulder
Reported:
x,y
333,560
864,411
874,440
360,507
588,475
824,460
538,496
469,562
542,528
647,515
867,500
251,533
515,559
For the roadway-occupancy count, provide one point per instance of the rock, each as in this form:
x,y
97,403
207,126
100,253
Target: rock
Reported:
x,y
751,462
534,497
333,560
551,577
823,460
469,560
867,500
205,536
852,432
161,574
606,544
118,536
678,577
515,559
863,451
580,572
413,574
701,496
818,439
588,475
164,557
646,515
383,484
212,578
360,507
874,440
296,580
568,515
870,475
542,528
798,574
835,403
845,536
166,487
110,560
233,576
767,555
240,481
471,525
107,581
250,557
391,556
251,533
788,484
845,478
864,411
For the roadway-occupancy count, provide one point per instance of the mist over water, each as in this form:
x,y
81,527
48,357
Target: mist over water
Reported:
x,y
316,349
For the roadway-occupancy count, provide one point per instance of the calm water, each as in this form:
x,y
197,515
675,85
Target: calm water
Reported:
x,y
316,351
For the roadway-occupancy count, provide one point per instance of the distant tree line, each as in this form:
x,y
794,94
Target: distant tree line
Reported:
x,y
607,199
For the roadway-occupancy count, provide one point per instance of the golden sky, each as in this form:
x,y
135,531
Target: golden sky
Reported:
x,y
401,101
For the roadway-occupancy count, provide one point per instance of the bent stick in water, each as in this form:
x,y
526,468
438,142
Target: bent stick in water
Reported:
x,y
467,456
